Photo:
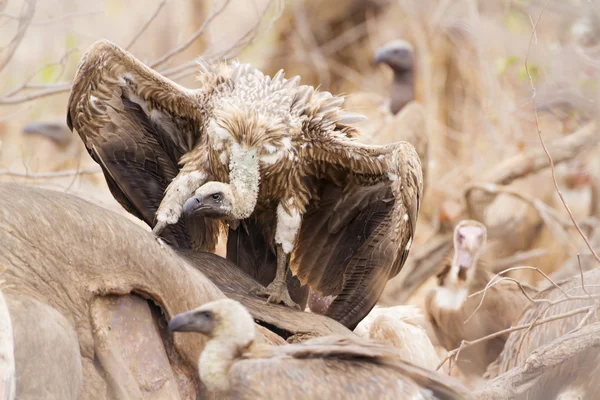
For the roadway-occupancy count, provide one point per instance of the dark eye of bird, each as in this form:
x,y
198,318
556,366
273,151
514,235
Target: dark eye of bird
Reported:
x,y
216,196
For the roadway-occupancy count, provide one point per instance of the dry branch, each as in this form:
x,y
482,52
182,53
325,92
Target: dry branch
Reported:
x,y
214,12
563,149
186,68
546,151
51,175
24,21
541,319
146,24
516,259
541,363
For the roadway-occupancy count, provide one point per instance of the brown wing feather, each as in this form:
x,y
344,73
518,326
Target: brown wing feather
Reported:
x,y
356,236
352,368
137,125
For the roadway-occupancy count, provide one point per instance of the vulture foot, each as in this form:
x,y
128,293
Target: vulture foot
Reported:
x,y
277,292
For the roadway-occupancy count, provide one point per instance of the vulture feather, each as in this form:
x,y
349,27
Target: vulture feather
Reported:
x,y
454,312
329,367
275,161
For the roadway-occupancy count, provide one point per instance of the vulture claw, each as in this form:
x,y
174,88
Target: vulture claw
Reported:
x,y
277,292
159,227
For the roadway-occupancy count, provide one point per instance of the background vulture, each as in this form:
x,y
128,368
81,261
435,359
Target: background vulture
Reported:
x,y
272,159
460,311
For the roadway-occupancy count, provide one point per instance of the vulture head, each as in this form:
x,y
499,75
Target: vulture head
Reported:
x,y
469,239
398,54
224,320
230,328
213,200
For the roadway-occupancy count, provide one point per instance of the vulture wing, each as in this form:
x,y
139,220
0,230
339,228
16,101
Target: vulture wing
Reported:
x,y
137,124
337,367
358,230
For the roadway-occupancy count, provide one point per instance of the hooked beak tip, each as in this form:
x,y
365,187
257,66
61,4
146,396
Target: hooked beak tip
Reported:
x,y
192,205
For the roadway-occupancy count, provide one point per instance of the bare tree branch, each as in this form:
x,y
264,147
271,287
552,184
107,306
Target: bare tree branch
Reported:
x,y
214,12
516,259
543,360
146,24
550,160
24,21
51,175
466,343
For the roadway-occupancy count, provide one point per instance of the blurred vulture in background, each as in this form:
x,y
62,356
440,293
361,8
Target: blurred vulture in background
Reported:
x,y
456,314
329,367
273,160
50,145
399,116
405,328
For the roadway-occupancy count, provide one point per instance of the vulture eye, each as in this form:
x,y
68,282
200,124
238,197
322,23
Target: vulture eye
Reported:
x,y
217,196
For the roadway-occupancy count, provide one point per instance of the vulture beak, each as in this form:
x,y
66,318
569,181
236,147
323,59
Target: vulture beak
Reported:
x,y
189,321
193,205
467,252
380,56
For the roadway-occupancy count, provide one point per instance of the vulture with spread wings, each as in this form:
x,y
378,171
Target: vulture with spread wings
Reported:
x,y
272,160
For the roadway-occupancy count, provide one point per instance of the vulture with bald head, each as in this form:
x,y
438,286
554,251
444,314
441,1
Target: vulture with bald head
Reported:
x,y
275,161
458,312
329,367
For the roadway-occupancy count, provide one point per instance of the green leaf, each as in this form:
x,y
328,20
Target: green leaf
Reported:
x,y
503,64
72,42
48,74
533,71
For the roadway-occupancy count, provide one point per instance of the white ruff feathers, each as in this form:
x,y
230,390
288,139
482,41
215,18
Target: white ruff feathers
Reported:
x,y
288,226
244,177
449,298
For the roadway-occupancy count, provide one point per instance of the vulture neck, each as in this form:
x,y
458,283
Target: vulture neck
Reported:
x,y
403,89
234,335
215,362
244,178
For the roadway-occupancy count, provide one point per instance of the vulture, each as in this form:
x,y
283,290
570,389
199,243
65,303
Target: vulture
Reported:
x,y
329,367
451,306
275,162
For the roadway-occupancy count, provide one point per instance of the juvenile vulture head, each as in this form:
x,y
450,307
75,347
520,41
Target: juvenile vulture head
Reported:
x,y
469,240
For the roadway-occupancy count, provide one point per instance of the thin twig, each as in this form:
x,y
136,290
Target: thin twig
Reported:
x,y
211,16
539,132
468,343
493,283
50,175
67,16
146,24
49,90
25,19
27,85
581,275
